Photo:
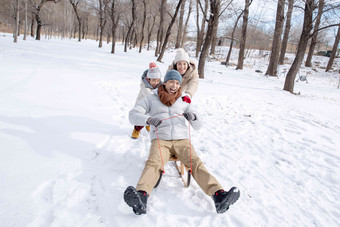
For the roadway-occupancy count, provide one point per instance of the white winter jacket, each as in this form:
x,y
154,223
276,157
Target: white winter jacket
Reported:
x,y
171,129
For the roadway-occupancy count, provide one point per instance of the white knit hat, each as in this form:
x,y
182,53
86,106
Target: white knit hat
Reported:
x,y
154,73
181,56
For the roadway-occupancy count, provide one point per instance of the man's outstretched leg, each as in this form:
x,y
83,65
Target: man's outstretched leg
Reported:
x,y
137,198
204,179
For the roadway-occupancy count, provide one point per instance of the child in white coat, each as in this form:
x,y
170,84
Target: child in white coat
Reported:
x,y
151,79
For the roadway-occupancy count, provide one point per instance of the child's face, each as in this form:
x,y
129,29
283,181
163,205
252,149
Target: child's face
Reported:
x,y
172,86
153,82
182,67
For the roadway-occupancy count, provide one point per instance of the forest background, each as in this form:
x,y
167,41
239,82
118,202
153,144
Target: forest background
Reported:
x,y
272,27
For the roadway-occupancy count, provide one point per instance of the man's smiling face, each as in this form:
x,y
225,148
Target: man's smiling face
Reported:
x,y
172,86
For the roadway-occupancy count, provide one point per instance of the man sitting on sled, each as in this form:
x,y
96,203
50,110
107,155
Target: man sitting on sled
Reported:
x,y
166,112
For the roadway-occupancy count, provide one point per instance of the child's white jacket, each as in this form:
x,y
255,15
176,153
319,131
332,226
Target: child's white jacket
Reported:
x,y
171,129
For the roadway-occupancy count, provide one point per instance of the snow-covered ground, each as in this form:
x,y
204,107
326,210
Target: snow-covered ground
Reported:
x,y
66,155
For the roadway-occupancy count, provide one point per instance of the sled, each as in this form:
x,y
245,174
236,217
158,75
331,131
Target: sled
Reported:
x,y
180,169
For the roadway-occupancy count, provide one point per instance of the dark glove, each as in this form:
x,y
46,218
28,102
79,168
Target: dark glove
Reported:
x,y
186,99
189,116
154,121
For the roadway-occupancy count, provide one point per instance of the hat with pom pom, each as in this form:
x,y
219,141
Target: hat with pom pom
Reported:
x,y
154,73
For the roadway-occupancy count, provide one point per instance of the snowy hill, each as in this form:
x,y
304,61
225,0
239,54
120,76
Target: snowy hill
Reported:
x,y
67,155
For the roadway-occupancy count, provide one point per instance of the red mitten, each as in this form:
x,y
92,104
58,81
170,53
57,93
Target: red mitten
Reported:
x,y
186,99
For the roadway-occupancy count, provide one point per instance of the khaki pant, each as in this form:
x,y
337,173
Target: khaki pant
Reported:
x,y
181,149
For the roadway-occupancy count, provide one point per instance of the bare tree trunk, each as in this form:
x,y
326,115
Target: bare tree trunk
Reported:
x,y
102,21
186,24
200,31
20,21
113,45
308,62
168,32
108,37
75,4
123,35
96,32
25,29
39,25
215,7
131,42
305,35
286,32
32,25
113,34
274,57
150,30
214,37
160,29
180,26
115,16
335,48
16,29
244,34
129,32
79,28
232,38
144,19
85,28
135,40
74,31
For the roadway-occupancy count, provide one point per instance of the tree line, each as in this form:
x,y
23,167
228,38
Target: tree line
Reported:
x,y
142,23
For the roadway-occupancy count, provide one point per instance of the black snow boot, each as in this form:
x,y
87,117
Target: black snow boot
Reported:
x,y
136,199
224,199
